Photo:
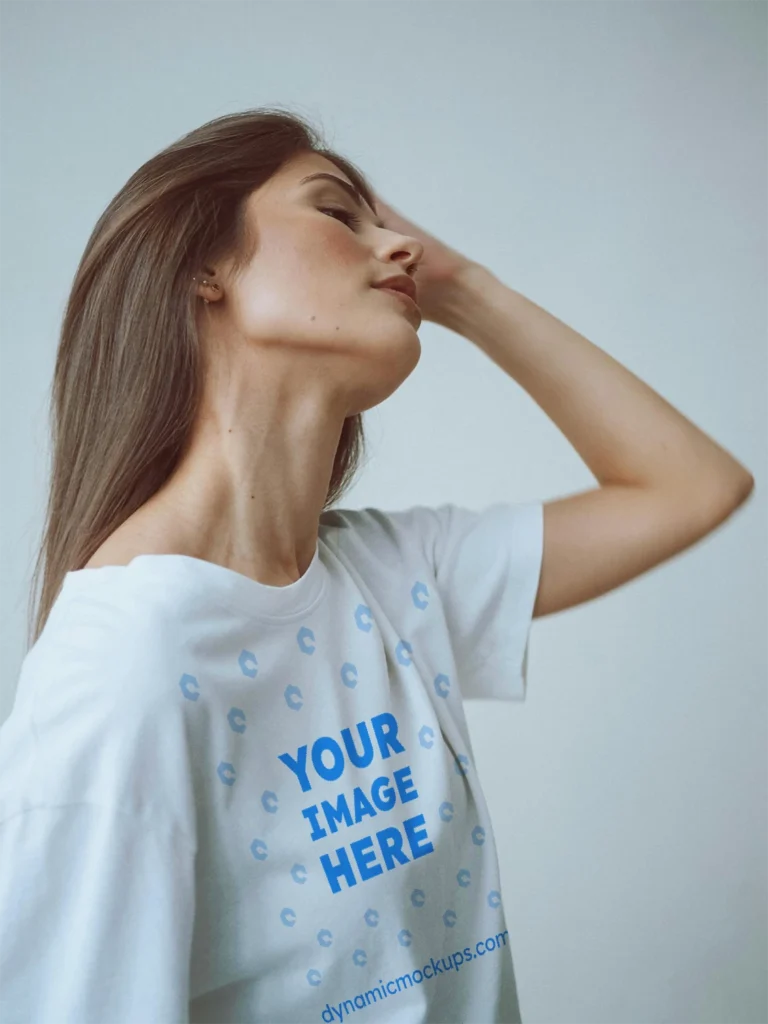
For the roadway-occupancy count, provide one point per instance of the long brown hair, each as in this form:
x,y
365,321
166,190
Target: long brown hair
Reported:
x,y
127,380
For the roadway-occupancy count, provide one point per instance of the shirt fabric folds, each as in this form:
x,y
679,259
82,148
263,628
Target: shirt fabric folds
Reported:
x,y
232,802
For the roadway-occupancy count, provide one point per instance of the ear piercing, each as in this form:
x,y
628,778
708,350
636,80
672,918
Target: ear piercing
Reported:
x,y
205,281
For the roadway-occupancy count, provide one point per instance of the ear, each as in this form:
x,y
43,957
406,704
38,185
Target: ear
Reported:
x,y
206,288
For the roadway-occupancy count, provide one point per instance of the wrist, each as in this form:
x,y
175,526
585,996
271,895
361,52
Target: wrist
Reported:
x,y
464,296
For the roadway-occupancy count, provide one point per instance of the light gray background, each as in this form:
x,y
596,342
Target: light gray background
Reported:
x,y
608,160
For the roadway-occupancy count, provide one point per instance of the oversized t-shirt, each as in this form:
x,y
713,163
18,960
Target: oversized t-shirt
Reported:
x,y
231,802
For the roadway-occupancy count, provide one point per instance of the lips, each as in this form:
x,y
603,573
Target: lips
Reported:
x,y
399,283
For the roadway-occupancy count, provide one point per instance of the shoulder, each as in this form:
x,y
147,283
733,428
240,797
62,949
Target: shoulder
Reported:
x,y
441,533
382,532
102,717
106,657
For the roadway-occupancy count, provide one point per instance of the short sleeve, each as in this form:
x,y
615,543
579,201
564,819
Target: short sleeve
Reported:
x,y
96,918
98,827
487,566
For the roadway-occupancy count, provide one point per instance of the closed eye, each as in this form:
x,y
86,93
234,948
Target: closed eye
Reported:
x,y
351,218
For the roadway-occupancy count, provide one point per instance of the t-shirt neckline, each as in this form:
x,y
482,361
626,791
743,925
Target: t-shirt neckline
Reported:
x,y
205,582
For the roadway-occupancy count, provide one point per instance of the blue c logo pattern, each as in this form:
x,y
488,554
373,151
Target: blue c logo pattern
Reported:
x,y
442,685
259,849
293,699
303,637
269,801
236,719
417,590
428,738
403,652
364,612
189,686
248,664
349,675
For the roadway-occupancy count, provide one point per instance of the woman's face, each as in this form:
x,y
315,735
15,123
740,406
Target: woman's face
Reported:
x,y
308,292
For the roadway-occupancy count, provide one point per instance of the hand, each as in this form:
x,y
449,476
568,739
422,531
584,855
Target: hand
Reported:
x,y
439,267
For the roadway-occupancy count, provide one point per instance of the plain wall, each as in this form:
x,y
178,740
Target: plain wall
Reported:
x,y
608,160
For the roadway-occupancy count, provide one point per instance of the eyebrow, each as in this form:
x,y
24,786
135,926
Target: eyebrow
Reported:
x,y
351,191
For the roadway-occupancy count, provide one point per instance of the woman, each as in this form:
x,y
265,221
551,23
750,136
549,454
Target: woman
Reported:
x,y
237,781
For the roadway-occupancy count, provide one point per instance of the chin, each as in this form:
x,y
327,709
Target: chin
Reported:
x,y
387,374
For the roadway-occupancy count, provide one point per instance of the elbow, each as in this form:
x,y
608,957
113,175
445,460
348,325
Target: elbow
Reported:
x,y
722,499
749,485
743,488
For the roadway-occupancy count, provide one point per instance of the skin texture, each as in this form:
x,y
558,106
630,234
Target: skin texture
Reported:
x,y
298,342
301,340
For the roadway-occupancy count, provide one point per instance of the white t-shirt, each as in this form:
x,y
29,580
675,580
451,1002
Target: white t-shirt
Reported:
x,y
230,802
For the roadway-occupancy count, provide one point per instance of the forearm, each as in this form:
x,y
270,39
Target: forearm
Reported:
x,y
624,431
